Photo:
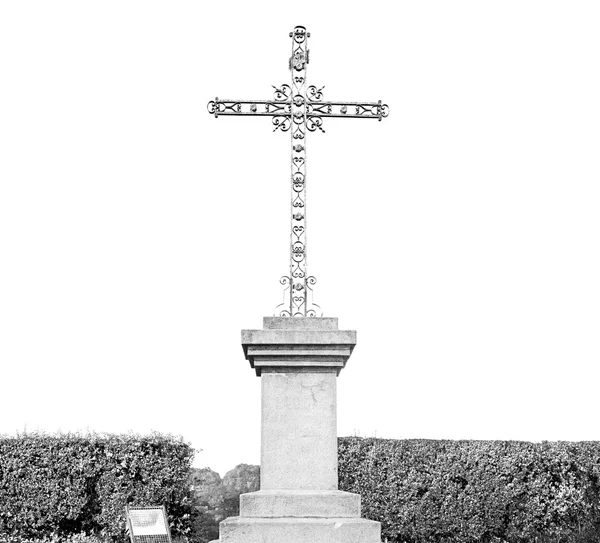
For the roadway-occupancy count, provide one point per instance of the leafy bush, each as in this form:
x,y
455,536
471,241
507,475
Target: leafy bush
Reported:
x,y
209,493
62,485
467,491
54,538
216,499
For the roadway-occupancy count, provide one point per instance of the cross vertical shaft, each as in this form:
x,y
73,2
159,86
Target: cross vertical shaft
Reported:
x,y
298,279
300,109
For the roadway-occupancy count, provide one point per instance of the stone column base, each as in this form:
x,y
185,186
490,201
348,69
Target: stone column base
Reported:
x,y
299,530
300,503
299,516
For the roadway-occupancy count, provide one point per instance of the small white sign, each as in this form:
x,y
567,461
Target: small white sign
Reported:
x,y
147,522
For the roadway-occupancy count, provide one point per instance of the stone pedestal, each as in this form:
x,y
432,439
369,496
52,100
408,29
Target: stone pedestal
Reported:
x,y
298,361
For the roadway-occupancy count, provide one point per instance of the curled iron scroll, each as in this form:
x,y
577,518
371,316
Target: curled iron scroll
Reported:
x,y
314,94
283,93
281,122
313,123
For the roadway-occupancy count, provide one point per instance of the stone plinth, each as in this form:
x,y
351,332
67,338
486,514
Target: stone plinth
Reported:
x,y
298,437
299,530
298,361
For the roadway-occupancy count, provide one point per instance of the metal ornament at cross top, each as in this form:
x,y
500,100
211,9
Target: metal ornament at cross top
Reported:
x,y
300,109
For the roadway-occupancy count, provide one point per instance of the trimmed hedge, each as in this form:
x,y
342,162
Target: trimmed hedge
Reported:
x,y
68,484
468,491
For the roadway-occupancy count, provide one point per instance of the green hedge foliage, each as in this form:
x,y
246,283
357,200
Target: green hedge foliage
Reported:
x,y
475,491
69,484
215,499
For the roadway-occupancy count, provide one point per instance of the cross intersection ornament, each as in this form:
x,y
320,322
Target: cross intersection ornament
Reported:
x,y
299,109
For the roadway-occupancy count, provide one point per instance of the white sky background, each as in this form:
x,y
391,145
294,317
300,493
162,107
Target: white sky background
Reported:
x,y
459,237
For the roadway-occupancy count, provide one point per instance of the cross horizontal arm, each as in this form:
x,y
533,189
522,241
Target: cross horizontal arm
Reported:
x,y
257,108
353,110
261,108
279,106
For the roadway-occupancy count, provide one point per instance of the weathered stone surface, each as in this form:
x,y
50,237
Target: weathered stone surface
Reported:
x,y
299,438
311,323
298,344
299,503
299,337
299,530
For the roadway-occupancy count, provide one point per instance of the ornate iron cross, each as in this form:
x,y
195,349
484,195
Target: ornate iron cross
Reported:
x,y
300,109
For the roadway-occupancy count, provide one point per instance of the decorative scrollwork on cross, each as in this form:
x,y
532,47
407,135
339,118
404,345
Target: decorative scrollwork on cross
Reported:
x,y
314,122
299,109
313,94
283,93
281,122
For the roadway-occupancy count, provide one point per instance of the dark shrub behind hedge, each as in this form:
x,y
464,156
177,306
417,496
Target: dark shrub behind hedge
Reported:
x,y
468,491
66,484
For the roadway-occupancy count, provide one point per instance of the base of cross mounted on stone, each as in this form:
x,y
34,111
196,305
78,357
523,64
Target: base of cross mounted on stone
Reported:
x,y
298,361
